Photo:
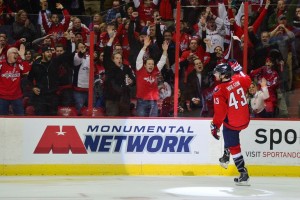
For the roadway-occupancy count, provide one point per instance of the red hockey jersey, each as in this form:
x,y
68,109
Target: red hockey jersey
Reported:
x,y
230,103
10,79
147,86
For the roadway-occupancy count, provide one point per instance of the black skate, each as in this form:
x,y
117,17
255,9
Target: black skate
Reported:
x,y
243,179
224,160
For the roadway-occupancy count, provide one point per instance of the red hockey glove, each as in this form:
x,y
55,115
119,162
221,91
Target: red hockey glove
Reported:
x,y
214,131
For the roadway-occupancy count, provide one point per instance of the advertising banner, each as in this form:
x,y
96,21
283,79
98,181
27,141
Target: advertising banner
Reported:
x,y
141,141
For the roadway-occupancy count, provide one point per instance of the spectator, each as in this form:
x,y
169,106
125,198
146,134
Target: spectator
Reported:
x,y
274,18
185,37
270,74
78,27
192,12
75,38
95,24
212,28
111,13
118,80
166,9
194,87
39,43
284,38
10,82
55,27
257,97
4,46
239,29
129,9
44,79
36,9
23,28
147,87
187,57
296,20
81,76
262,47
169,69
104,37
5,14
215,58
122,35
99,101
119,20
136,43
63,61
26,86
29,56
146,9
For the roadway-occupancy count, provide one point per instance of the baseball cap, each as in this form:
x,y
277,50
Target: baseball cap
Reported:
x,y
143,32
46,48
118,15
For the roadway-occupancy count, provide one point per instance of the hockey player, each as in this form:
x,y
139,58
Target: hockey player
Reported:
x,y
231,110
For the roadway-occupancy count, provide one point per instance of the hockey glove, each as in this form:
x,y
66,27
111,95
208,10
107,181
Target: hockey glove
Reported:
x,y
235,66
214,131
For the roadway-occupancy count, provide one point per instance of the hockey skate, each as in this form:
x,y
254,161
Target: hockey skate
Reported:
x,y
224,160
243,179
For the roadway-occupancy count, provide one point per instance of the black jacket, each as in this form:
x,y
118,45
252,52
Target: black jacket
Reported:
x,y
115,88
193,88
44,76
48,76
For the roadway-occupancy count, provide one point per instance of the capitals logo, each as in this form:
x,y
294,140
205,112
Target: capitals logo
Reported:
x,y
115,139
60,140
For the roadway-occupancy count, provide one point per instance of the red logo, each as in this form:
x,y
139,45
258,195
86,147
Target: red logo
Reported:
x,y
60,140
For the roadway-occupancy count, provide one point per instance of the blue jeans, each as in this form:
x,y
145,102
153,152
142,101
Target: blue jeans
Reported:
x,y
81,100
17,106
146,108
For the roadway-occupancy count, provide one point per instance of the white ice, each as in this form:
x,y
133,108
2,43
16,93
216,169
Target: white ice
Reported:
x,y
146,188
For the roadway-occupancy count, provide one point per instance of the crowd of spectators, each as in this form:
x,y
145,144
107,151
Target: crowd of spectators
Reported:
x,y
45,59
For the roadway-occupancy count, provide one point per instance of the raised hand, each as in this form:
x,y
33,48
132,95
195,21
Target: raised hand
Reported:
x,y
22,51
147,41
165,46
59,6
263,82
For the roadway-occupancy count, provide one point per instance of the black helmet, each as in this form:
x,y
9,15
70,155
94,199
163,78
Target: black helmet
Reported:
x,y
223,69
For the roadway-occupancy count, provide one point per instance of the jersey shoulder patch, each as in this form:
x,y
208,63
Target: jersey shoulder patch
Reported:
x,y
216,89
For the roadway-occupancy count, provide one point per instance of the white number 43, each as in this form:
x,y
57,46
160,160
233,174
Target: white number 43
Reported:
x,y
234,102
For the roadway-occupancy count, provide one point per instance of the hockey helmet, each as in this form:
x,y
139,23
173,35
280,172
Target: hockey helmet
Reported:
x,y
223,69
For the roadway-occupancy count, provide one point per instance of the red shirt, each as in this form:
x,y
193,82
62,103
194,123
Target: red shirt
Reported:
x,y
10,79
146,13
103,39
57,29
272,78
184,41
147,86
230,103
